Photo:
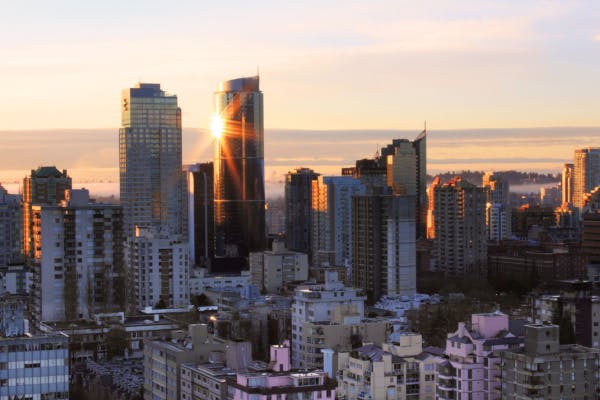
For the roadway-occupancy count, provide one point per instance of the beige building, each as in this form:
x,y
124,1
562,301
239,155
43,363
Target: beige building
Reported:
x,y
163,360
270,270
545,370
317,273
392,371
318,303
210,380
342,333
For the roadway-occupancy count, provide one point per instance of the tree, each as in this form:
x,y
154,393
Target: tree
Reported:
x,y
566,328
116,342
201,300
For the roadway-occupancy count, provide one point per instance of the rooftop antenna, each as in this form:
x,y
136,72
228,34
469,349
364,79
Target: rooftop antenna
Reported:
x,y
425,126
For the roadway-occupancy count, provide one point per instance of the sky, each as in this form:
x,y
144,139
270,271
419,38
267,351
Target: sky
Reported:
x,y
508,84
323,64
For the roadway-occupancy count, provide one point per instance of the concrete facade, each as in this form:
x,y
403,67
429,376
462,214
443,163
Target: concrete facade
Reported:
x,y
317,303
460,242
78,266
163,360
271,270
391,371
545,370
159,268
471,368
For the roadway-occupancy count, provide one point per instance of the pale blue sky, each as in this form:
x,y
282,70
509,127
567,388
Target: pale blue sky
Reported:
x,y
324,64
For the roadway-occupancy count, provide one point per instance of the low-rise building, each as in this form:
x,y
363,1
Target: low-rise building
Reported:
x,y
202,281
271,270
576,308
393,371
205,381
210,380
31,367
471,368
543,369
283,382
317,273
163,360
87,339
316,303
15,279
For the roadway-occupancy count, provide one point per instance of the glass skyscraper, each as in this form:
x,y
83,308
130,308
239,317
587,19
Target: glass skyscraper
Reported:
x,y
239,168
151,177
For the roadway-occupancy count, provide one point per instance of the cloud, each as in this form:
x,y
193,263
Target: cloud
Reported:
x,y
597,38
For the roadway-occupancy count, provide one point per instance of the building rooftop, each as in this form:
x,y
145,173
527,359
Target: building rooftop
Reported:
x,y
47,172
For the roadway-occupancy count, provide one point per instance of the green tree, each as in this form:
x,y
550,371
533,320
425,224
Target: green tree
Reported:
x,y
117,340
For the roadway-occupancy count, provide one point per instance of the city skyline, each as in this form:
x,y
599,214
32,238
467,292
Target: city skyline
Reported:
x,y
386,65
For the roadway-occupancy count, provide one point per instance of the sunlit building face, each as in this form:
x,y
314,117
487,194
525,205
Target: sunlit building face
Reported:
x,y
239,167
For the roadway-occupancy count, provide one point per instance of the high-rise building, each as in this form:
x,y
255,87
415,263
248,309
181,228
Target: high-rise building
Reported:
x,y
239,168
159,265
460,243
586,173
498,211
498,221
45,185
331,231
383,246
11,222
567,183
78,268
498,188
298,209
407,173
201,213
151,179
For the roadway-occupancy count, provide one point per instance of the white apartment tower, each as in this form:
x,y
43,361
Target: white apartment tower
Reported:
x,y
78,266
159,265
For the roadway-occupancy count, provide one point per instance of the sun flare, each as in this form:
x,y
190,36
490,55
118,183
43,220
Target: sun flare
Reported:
x,y
216,126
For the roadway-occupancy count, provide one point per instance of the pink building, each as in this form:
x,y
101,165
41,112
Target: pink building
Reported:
x,y
470,370
282,382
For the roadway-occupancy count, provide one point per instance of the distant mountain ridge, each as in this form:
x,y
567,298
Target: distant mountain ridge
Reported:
x,y
513,177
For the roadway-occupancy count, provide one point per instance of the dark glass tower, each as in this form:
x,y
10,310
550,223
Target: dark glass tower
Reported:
x,y
298,209
239,168
201,212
